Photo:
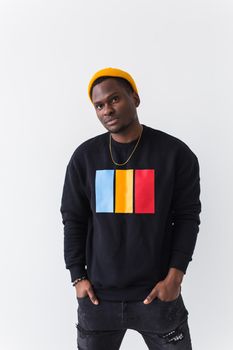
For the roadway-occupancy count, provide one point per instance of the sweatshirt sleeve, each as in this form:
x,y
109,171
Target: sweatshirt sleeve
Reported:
x,y
186,207
75,211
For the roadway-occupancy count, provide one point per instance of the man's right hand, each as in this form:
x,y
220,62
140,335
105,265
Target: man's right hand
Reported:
x,y
84,288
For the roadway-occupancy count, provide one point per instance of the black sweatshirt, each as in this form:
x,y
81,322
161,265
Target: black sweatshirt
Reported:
x,y
126,225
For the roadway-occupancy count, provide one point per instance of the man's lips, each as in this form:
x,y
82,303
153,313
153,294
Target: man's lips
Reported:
x,y
111,121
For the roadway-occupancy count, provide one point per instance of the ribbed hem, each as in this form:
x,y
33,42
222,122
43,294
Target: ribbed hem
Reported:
x,y
135,293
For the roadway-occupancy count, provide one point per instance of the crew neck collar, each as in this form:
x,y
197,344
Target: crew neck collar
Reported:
x,y
127,144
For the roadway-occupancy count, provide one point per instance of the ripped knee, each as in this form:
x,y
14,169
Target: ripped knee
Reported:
x,y
173,336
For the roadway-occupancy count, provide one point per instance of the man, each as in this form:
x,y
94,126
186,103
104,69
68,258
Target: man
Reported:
x,y
130,209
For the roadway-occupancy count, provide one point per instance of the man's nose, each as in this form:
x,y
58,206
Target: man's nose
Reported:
x,y
108,109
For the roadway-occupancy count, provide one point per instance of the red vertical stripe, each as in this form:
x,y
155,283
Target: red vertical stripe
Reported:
x,y
144,191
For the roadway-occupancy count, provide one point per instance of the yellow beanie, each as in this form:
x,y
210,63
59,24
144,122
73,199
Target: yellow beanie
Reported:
x,y
112,72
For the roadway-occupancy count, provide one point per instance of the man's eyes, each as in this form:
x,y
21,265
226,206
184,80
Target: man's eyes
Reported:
x,y
113,98
98,106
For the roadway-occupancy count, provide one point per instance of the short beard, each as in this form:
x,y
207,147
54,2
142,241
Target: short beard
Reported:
x,y
123,127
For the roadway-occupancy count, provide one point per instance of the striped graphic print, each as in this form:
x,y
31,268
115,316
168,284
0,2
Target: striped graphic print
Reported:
x,y
125,191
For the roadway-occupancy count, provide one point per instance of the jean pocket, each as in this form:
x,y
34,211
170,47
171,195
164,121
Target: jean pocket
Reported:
x,y
163,316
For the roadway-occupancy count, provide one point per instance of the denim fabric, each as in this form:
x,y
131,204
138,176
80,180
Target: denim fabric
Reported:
x,y
163,325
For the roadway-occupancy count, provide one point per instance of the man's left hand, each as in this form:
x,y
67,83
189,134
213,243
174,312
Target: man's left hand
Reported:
x,y
167,289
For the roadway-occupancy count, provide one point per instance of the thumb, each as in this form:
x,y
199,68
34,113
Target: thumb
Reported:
x,y
150,297
92,296
153,294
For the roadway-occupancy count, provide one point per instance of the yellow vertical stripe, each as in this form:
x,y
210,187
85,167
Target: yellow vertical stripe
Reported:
x,y
124,191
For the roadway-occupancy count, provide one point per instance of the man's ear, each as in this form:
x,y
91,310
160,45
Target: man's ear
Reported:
x,y
136,98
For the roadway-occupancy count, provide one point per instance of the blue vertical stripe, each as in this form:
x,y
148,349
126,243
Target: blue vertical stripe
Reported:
x,y
104,181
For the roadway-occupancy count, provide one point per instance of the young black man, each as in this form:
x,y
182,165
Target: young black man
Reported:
x,y
130,209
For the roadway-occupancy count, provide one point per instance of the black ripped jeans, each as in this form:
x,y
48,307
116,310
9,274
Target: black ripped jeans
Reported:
x,y
163,325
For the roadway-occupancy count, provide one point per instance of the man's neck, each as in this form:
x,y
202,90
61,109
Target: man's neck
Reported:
x,y
131,134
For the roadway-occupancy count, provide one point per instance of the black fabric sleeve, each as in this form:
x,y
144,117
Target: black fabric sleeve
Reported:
x,y
186,207
75,210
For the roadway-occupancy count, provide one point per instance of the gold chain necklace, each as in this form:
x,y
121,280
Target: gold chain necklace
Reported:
x,y
110,148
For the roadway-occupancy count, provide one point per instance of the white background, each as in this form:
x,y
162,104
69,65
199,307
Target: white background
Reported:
x,y
180,55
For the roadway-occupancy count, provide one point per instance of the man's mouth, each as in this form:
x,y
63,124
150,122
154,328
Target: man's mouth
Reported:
x,y
111,121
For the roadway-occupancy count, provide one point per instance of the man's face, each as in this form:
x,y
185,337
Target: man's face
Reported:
x,y
114,106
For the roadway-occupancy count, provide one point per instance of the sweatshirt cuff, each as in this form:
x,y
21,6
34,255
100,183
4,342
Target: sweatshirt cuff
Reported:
x,y
180,261
77,271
